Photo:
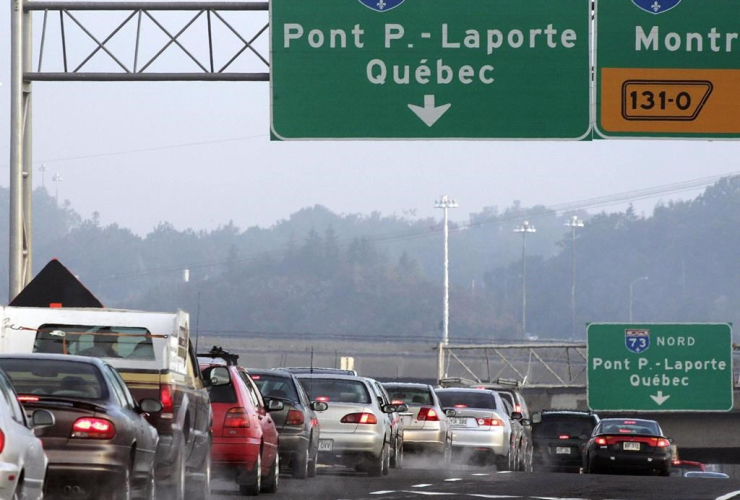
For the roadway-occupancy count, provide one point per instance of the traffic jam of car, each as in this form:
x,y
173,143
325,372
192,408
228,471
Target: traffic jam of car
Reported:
x,y
102,404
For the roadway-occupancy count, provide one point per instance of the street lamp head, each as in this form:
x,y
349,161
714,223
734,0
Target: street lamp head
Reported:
x,y
574,222
526,227
445,202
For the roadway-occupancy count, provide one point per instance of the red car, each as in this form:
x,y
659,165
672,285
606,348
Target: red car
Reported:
x,y
242,426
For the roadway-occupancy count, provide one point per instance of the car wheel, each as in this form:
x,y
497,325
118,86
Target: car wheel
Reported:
x,y
387,462
301,465
19,494
253,488
270,484
312,465
123,490
202,489
150,489
397,462
377,466
592,469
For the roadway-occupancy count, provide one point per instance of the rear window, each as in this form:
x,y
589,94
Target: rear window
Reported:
x,y
556,425
62,379
336,390
630,427
412,396
95,341
483,400
275,387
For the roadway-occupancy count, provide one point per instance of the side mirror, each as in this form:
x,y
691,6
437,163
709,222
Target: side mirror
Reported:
x,y
526,422
219,376
671,440
42,419
537,418
388,408
150,406
319,406
516,415
403,407
275,405
450,412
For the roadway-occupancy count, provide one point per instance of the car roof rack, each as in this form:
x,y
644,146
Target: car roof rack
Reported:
x,y
218,352
317,369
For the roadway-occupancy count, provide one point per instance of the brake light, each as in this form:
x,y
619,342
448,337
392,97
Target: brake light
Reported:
x,y
359,418
629,422
490,422
663,443
236,418
255,377
2,441
564,436
166,396
518,408
397,402
28,399
601,441
295,417
93,428
461,406
322,399
427,415
480,388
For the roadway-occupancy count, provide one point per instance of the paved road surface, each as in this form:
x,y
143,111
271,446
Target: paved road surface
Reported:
x,y
417,481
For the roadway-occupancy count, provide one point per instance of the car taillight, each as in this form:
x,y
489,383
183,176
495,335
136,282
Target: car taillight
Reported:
x,y
166,396
563,436
427,415
93,428
663,443
28,399
600,441
359,418
489,422
518,408
2,441
236,418
295,417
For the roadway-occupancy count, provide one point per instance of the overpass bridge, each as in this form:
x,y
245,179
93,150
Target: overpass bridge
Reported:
x,y
553,376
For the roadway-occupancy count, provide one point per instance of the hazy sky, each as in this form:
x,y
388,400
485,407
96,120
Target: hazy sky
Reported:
x,y
253,181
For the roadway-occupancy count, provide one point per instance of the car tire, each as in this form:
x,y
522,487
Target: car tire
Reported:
x,y
301,464
377,466
201,490
150,488
271,482
312,465
592,469
397,461
174,490
121,491
19,494
253,488
387,462
503,463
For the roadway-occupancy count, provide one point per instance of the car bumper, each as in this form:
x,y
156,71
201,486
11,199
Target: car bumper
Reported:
x,y
7,486
495,440
434,439
235,451
349,444
292,446
630,461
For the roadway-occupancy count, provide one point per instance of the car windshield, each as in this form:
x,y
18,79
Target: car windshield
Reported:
x,y
62,379
645,427
467,399
95,341
412,396
336,390
557,425
276,387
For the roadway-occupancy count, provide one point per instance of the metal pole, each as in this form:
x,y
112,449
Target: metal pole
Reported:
x,y
524,282
15,261
441,373
27,178
446,320
573,284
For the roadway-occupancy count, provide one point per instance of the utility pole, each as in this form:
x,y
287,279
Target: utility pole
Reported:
x,y
57,178
525,228
632,292
445,204
43,170
574,223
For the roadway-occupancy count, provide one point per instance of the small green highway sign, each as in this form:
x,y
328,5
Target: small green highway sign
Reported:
x,y
667,68
660,367
430,69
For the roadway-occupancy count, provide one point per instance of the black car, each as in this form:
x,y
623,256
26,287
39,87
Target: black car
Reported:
x,y
101,445
558,437
297,423
628,445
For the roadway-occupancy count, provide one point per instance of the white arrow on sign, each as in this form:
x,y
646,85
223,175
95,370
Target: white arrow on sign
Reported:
x,y
659,398
429,113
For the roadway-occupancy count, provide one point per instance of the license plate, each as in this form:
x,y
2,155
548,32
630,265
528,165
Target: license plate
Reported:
x,y
326,444
631,446
461,422
562,451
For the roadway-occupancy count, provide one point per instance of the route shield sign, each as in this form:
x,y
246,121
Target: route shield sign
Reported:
x,y
668,68
660,367
430,69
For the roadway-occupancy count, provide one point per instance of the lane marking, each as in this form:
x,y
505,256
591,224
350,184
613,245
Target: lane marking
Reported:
x,y
382,492
480,474
428,493
420,485
558,498
481,495
453,479
503,472
729,495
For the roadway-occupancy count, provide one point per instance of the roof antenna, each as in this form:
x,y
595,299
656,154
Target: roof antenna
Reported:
x,y
197,324
311,359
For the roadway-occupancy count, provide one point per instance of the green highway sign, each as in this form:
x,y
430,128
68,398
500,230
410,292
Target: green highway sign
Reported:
x,y
430,69
667,68
660,367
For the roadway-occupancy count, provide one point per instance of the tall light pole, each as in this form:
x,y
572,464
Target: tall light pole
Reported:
x,y
574,223
43,170
525,228
445,204
57,178
632,294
